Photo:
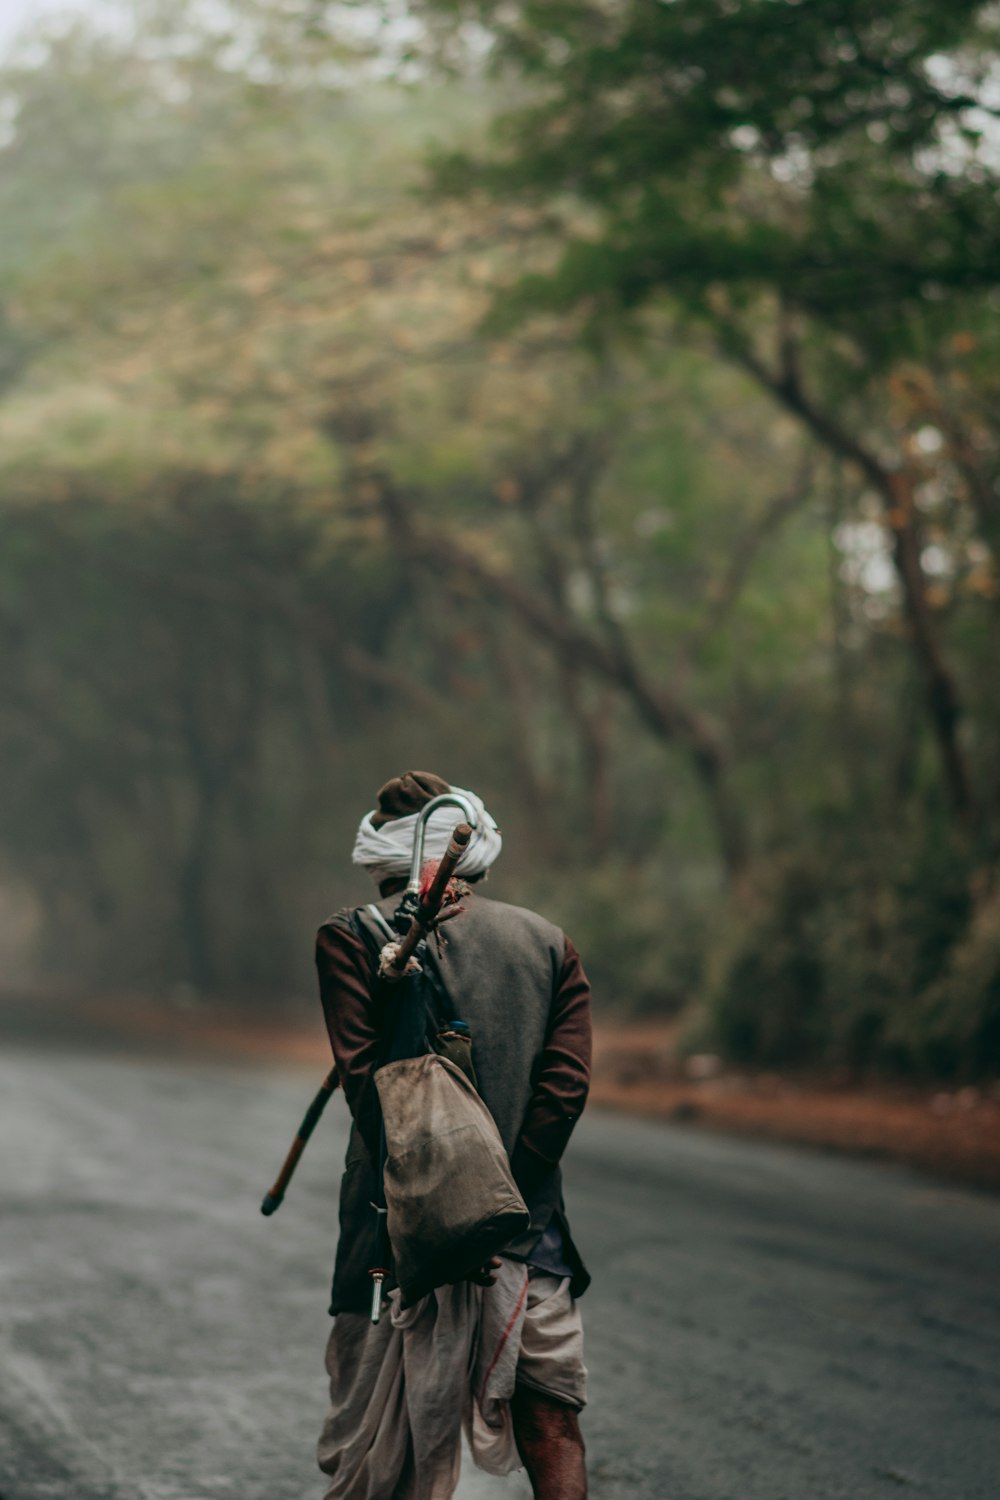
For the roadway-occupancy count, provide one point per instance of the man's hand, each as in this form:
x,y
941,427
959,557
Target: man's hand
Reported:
x,y
485,1276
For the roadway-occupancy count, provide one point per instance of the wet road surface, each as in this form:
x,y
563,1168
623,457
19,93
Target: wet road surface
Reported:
x,y
766,1323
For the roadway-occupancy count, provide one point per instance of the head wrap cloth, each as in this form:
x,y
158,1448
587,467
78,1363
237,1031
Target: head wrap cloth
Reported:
x,y
384,843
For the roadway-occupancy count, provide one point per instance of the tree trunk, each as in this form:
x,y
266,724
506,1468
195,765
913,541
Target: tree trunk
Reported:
x,y
670,719
895,488
193,883
534,793
940,693
593,732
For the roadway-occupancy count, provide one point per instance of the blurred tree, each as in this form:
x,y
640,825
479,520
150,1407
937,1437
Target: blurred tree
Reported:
x,y
282,335
813,185
279,519
169,707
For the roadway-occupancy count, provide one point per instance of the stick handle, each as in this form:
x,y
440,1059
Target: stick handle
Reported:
x,y
419,927
431,904
273,1199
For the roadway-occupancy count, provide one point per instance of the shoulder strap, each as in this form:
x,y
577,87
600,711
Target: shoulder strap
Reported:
x,y
440,1010
407,1016
361,930
390,933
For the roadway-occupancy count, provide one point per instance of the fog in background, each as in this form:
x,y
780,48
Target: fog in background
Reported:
x,y
550,402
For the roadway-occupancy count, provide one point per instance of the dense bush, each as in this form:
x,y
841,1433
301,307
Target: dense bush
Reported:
x,y
643,938
862,957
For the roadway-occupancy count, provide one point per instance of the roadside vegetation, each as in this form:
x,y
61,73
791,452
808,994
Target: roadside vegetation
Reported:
x,y
594,404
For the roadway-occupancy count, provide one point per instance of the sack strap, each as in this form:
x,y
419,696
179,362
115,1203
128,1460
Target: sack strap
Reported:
x,y
381,921
446,1015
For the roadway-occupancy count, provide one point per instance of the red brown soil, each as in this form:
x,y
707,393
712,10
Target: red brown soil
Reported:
x,y
952,1132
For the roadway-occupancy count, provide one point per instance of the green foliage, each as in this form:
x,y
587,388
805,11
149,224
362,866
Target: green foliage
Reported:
x,y
160,726
876,954
278,520
765,144
643,935
954,1028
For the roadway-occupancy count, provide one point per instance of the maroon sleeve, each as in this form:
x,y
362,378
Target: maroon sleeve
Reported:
x,y
563,1077
345,982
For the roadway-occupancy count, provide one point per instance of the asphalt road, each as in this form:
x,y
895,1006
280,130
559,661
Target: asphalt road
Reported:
x,y
765,1321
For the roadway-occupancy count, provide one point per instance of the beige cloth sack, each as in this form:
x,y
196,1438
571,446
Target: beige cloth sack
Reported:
x,y
450,1196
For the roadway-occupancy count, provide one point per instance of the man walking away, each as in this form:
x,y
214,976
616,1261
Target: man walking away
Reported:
x,y
502,1353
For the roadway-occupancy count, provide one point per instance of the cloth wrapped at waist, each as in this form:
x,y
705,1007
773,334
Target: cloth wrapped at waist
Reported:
x,y
402,1391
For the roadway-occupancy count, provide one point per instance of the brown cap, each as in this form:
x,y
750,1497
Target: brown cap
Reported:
x,y
406,794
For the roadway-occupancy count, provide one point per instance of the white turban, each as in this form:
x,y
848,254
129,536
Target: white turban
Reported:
x,y
387,851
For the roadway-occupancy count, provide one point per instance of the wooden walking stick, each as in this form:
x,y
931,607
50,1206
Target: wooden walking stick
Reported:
x,y
426,914
273,1198
424,911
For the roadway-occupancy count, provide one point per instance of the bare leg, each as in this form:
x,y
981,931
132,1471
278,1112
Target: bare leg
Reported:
x,y
551,1444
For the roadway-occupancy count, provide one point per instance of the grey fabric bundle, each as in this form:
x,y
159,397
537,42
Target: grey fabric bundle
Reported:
x,y
451,1199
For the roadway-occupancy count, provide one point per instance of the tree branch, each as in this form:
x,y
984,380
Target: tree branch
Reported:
x,y
670,720
895,489
725,591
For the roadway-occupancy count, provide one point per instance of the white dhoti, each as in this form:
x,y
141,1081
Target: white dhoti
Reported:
x,y
402,1391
